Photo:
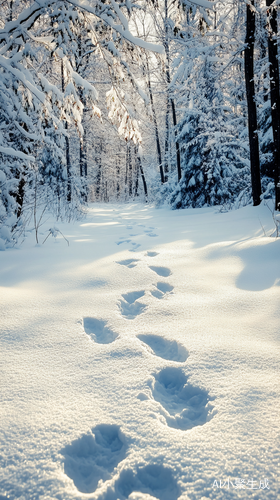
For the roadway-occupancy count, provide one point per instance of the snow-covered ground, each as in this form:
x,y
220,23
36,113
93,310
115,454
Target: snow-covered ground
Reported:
x,y
142,361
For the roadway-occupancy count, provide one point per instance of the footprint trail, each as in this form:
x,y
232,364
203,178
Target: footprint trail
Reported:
x,y
94,456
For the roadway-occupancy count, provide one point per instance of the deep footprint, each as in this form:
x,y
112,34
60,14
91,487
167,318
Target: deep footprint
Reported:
x,y
162,290
164,348
161,271
128,262
155,480
135,246
152,254
149,232
123,241
94,456
98,331
184,406
130,297
129,307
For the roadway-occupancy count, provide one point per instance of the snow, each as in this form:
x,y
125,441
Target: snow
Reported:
x,y
203,3
143,370
23,76
131,38
18,154
121,28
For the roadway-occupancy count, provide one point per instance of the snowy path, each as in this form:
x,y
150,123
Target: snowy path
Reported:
x,y
142,361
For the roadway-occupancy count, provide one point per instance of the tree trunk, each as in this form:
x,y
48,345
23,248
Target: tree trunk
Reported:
x,y
68,167
83,152
141,171
155,122
83,164
252,109
274,94
118,177
169,99
178,154
10,18
166,148
20,193
137,179
126,165
98,161
129,170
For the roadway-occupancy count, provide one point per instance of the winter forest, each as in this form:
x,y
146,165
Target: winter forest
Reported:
x,y
172,102
139,249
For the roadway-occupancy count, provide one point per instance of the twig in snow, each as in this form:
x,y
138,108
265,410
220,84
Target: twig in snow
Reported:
x,y
53,231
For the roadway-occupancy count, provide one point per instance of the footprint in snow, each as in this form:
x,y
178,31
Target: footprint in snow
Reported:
x,y
164,348
136,495
122,241
152,254
135,246
94,456
129,307
154,481
98,331
149,232
161,271
161,290
128,262
130,297
183,405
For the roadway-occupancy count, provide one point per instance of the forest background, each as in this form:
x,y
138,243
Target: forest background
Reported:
x,y
166,101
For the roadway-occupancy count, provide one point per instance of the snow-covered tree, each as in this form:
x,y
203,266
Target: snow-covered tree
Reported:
x,y
34,109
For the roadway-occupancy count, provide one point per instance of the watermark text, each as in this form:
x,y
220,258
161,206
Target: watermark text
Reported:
x,y
242,484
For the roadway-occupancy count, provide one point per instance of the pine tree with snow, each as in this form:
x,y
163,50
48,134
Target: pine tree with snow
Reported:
x,y
214,160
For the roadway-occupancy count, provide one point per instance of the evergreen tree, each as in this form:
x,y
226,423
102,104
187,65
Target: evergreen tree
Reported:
x,y
215,163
